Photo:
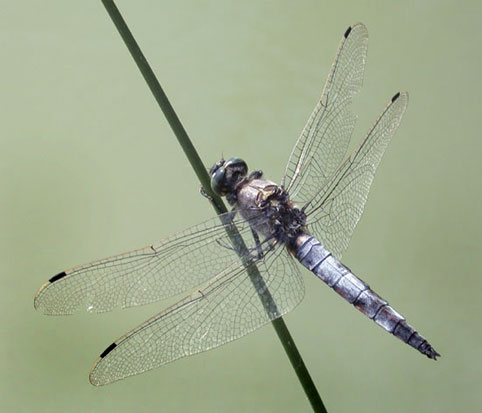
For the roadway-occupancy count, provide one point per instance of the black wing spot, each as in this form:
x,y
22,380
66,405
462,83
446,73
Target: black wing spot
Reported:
x,y
348,31
395,97
58,276
108,350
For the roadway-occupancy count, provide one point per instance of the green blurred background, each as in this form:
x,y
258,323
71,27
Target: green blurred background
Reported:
x,y
90,168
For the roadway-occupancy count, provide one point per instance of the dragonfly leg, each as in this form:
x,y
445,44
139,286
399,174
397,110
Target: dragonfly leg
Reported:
x,y
231,198
258,243
205,194
229,247
258,248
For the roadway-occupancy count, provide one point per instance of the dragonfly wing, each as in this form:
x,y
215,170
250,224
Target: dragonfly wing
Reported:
x,y
227,308
336,209
324,140
166,268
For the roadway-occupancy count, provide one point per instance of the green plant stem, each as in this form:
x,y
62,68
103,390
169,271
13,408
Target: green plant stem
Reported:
x,y
201,172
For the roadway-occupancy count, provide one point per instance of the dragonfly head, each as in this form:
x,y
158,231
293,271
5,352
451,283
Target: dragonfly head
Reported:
x,y
225,175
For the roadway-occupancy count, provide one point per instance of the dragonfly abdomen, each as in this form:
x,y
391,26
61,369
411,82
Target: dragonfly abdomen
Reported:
x,y
336,275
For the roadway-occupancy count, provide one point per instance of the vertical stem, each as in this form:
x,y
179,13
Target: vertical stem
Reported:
x,y
163,102
201,172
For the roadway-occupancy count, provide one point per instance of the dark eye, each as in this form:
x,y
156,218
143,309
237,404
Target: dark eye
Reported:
x,y
216,166
217,181
237,166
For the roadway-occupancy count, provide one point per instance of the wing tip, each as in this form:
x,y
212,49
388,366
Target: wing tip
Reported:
x,y
95,381
353,26
36,301
395,96
401,96
99,379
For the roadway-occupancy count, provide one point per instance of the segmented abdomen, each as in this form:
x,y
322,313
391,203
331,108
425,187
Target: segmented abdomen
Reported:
x,y
326,267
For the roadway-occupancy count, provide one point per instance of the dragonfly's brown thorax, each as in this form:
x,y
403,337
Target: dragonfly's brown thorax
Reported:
x,y
269,209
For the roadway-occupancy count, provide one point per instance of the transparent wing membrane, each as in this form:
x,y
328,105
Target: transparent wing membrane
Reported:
x,y
227,308
324,140
336,209
169,267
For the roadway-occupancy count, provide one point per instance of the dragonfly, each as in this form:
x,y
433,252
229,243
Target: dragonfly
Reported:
x,y
242,264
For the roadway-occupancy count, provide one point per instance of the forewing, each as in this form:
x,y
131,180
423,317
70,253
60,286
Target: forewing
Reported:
x,y
226,309
336,209
169,267
324,140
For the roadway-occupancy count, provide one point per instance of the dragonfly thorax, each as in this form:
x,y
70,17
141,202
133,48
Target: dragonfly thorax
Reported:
x,y
270,211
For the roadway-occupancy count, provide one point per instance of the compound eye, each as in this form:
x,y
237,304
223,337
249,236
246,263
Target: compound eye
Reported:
x,y
217,181
237,166
216,166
